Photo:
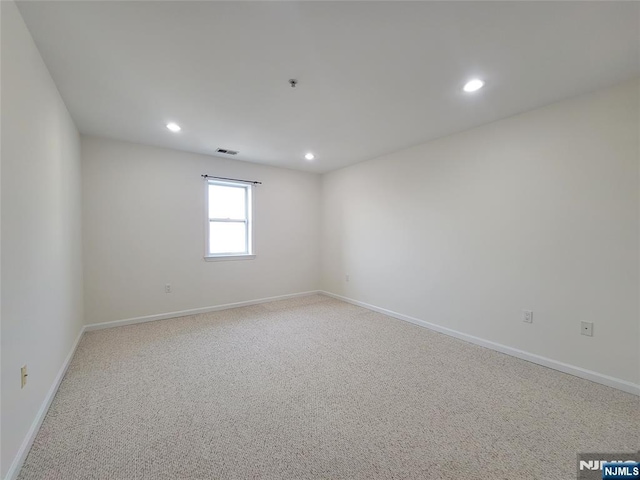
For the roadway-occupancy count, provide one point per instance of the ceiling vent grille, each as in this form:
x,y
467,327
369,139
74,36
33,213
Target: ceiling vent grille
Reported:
x,y
226,152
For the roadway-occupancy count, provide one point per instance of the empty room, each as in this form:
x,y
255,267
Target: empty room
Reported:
x,y
294,240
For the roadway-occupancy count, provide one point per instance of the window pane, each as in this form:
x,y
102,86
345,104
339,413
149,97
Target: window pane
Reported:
x,y
227,237
226,202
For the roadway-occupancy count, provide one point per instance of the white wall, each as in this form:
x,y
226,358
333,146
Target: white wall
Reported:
x,y
538,211
144,212
41,233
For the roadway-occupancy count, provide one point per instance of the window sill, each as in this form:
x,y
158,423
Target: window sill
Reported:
x,y
223,258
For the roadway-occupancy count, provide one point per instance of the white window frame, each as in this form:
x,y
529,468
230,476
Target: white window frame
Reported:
x,y
249,254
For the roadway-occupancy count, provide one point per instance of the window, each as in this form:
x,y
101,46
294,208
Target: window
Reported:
x,y
229,221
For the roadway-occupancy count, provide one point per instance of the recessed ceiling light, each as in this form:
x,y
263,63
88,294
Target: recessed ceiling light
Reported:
x,y
174,127
309,156
473,85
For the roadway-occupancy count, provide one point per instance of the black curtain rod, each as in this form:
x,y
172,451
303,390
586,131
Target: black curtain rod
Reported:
x,y
232,179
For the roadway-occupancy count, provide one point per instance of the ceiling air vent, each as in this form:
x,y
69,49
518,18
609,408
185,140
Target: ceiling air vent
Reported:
x,y
226,152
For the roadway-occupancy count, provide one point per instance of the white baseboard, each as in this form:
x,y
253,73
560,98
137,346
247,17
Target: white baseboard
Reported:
x,y
531,357
15,467
20,457
14,470
193,311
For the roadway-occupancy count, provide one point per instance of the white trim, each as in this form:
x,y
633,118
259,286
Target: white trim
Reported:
x,y
603,379
222,258
193,311
248,221
23,451
20,457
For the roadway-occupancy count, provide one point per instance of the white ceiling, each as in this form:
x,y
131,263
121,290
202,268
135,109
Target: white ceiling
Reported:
x,y
374,77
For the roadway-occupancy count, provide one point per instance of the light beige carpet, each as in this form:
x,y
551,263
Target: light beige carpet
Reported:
x,y
316,388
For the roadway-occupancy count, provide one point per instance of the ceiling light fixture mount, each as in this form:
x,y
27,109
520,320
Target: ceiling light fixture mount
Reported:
x,y
174,127
309,156
473,85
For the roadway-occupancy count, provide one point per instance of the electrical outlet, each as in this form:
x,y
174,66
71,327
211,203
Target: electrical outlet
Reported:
x,y
346,277
527,316
587,329
167,288
23,376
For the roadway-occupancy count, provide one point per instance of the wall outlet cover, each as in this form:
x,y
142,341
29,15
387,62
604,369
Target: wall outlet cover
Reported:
x,y
587,329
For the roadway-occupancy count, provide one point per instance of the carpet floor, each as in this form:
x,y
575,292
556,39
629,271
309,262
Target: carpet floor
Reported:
x,y
315,388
